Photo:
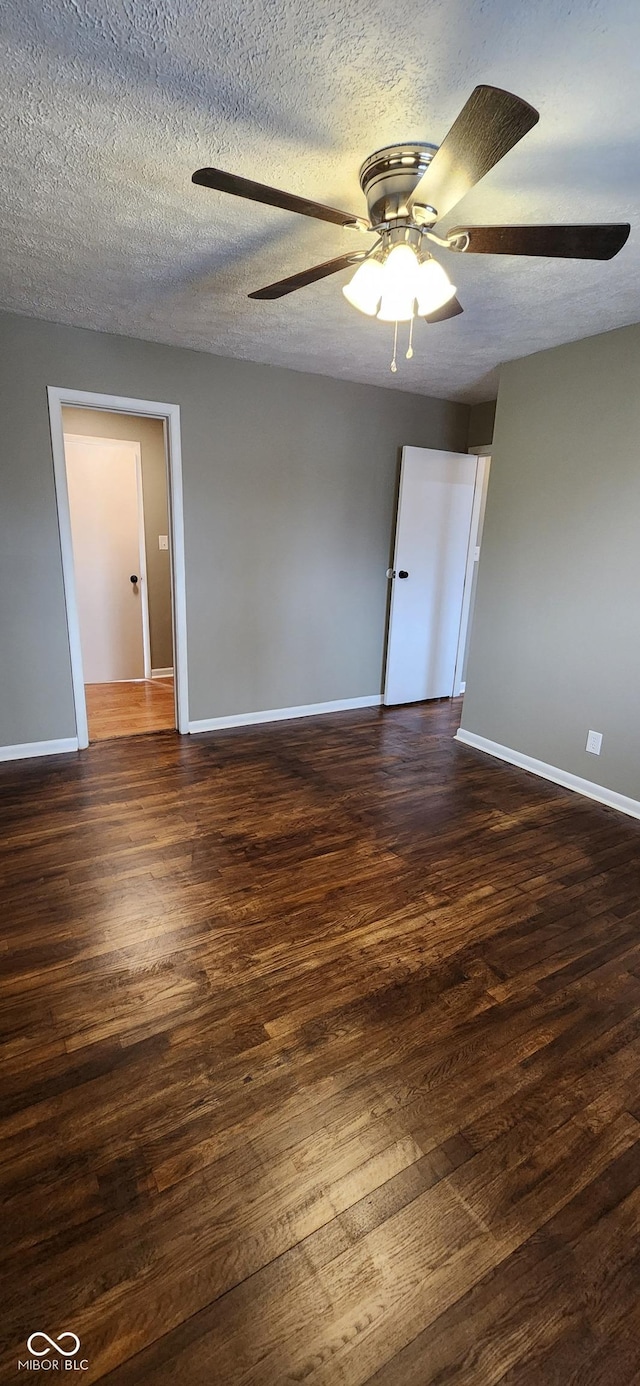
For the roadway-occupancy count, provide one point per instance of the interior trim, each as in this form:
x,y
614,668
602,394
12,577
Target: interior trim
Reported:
x,y
282,714
552,772
39,748
170,415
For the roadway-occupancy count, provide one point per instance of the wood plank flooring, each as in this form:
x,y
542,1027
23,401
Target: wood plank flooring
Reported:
x,y
126,709
320,1053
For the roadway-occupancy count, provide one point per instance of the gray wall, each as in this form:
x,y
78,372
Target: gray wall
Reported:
x,y
481,423
289,489
149,433
555,647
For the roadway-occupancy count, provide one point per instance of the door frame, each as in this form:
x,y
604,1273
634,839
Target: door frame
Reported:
x,y
483,455
58,396
142,546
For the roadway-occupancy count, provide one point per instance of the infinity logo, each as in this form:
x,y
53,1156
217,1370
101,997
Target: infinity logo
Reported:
x,y
53,1343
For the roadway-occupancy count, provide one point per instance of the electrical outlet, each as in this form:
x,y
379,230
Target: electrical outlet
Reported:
x,y
594,742
163,541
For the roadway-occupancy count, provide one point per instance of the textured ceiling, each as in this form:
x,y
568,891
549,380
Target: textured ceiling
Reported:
x,y
109,105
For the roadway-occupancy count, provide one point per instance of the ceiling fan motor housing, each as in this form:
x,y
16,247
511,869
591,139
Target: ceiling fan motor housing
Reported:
x,y
389,176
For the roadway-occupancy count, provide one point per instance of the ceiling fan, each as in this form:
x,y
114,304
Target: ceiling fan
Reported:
x,y
409,188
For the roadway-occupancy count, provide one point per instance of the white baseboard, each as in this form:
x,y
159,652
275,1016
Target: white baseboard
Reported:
x,y
552,772
39,748
282,714
161,673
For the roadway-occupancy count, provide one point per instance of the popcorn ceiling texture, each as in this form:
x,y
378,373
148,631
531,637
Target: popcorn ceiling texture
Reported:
x,y
109,106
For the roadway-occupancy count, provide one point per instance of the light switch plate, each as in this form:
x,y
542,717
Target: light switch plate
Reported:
x,y
163,541
594,742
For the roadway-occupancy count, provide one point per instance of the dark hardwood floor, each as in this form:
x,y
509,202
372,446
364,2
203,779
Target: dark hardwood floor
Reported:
x,y
321,1062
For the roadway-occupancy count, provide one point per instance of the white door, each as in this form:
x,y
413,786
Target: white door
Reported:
x,y
432,543
105,501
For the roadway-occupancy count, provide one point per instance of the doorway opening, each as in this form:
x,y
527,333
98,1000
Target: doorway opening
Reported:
x,y
119,496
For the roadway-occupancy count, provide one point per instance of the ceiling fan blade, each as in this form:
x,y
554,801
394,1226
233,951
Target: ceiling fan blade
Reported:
x,y
310,276
450,310
568,242
273,197
488,126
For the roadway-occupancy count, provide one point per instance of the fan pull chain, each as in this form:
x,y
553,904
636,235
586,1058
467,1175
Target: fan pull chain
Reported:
x,y
410,347
394,364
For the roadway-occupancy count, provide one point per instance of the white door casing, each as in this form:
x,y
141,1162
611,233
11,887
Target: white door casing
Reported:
x,y
473,557
58,396
432,543
104,482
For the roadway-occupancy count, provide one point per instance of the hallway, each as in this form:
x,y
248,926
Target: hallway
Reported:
x,y
129,708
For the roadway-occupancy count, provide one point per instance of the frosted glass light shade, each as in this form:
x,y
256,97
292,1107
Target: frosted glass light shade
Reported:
x,y
399,287
434,288
391,287
364,290
396,307
401,267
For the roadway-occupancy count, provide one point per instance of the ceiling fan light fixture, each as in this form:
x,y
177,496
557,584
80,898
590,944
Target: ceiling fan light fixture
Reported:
x,y
434,288
364,290
399,286
410,188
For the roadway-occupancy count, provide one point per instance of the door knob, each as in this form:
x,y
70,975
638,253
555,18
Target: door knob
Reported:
x,y
403,573
133,578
